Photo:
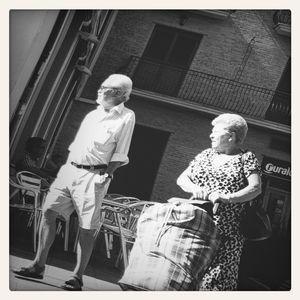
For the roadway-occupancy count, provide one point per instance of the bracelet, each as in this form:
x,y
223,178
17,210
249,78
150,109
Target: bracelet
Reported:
x,y
228,198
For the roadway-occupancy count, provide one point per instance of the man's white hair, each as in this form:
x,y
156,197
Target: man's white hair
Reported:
x,y
120,81
234,123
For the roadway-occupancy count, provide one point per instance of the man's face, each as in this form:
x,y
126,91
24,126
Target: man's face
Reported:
x,y
110,95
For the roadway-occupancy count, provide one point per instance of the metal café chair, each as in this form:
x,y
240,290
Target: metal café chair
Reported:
x,y
33,186
114,200
66,232
31,198
117,199
28,178
121,220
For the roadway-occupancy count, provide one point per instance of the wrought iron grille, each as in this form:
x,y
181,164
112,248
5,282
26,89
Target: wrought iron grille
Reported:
x,y
209,90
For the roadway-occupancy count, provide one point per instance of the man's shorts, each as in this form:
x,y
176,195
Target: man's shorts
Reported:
x,y
77,189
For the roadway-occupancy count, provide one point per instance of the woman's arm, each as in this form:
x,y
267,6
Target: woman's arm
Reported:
x,y
252,190
188,186
185,182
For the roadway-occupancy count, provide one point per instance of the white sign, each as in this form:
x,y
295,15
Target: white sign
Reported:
x,y
277,168
270,168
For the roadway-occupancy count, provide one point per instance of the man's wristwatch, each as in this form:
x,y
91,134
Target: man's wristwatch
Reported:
x,y
107,176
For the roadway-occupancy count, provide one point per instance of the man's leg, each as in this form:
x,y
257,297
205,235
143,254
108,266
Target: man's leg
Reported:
x,y
91,193
58,201
84,250
46,237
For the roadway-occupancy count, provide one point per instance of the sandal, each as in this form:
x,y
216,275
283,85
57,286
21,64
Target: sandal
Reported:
x,y
73,284
32,272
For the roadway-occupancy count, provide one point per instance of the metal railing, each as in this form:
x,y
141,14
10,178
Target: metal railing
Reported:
x,y
208,90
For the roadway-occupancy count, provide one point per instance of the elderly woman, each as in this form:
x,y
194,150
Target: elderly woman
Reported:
x,y
229,177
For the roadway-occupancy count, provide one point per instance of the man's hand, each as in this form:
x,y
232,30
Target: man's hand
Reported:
x,y
103,178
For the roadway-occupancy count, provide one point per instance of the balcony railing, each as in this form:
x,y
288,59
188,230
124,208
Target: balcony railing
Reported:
x,y
209,90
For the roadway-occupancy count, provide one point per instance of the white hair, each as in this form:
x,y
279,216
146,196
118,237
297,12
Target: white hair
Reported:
x,y
121,81
234,123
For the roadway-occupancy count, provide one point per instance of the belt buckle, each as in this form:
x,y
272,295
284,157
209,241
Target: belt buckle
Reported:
x,y
92,168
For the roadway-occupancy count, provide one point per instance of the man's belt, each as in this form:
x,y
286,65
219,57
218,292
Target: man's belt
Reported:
x,y
88,167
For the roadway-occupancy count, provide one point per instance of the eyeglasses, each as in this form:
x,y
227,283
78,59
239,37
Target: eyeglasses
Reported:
x,y
223,131
111,91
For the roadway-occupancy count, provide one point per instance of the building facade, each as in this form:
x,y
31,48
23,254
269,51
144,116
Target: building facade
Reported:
x,y
187,67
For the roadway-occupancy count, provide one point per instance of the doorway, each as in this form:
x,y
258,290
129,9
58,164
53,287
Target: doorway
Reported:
x,y
269,261
146,151
278,204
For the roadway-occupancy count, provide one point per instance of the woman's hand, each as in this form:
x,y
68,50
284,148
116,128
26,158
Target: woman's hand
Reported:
x,y
216,197
200,193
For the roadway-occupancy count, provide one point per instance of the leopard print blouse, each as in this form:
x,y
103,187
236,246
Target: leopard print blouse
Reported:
x,y
227,178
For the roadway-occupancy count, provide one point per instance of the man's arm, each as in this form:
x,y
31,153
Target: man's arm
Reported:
x,y
112,166
124,141
120,158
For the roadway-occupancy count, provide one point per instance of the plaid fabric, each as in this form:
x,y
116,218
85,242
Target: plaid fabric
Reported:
x,y
173,249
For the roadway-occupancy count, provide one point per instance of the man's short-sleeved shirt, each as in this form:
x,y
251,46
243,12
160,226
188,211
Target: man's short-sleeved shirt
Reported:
x,y
103,136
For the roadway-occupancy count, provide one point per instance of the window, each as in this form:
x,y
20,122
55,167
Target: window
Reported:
x,y
280,144
166,60
279,209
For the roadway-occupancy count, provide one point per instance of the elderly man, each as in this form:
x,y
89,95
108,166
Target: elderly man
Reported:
x,y
100,147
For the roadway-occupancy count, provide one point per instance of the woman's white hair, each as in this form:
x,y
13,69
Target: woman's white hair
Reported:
x,y
233,123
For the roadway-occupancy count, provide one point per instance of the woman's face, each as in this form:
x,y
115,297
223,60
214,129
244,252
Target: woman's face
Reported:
x,y
220,137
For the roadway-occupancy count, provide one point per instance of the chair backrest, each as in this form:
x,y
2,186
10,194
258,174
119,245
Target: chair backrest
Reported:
x,y
112,196
29,179
124,200
136,210
124,217
23,191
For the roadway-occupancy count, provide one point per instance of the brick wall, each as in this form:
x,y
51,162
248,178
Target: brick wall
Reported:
x,y
220,52
70,127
